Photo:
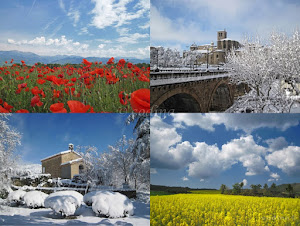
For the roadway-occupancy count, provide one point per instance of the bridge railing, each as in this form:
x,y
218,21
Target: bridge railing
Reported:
x,y
182,75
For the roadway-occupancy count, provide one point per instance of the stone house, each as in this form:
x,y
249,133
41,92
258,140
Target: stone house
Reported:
x,y
65,164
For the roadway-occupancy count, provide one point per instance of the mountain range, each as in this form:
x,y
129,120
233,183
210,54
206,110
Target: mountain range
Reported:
x,y
32,58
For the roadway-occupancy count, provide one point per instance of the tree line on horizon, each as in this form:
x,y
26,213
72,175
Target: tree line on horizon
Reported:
x,y
259,190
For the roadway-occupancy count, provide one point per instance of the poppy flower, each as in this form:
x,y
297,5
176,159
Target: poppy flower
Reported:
x,y
22,111
111,61
7,106
78,107
129,65
3,110
123,98
87,63
58,108
140,101
41,81
36,101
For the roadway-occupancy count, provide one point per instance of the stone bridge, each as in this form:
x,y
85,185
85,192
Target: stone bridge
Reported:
x,y
193,92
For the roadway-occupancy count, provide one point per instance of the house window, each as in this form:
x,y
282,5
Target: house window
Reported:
x,y
81,168
43,169
217,56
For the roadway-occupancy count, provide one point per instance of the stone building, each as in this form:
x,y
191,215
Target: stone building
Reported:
x,y
216,55
65,164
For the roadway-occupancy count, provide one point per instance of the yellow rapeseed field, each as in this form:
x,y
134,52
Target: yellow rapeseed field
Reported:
x,y
195,209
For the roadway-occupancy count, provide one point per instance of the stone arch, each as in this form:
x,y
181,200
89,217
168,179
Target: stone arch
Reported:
x,y
178,92
227,101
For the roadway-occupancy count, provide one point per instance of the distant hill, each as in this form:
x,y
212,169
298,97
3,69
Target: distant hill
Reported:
x,y
32,58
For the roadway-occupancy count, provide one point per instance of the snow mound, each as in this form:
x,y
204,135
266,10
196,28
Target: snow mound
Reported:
x,y
64,202
109,204
16,196
35,199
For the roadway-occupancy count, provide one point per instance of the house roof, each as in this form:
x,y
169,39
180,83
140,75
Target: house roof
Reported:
x,y
60,153
72,161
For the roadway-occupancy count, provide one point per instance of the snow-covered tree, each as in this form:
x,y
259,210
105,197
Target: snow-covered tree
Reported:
x,y
191,57
266,69
140,170
9,139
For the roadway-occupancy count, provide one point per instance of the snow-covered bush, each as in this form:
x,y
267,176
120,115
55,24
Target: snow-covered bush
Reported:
x,y
16,196
109,204
64,202
35,199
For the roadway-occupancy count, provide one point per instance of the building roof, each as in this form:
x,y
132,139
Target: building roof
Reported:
x,y
60,153
72,161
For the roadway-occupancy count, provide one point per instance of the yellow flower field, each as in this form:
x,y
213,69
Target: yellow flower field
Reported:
x,y
195,209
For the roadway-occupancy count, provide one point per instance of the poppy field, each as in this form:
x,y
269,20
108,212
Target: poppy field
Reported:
x,y
216,209
92,87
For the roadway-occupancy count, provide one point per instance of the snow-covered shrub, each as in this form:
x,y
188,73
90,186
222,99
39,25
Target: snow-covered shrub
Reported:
x,y
35,199
64,202
16,196
109,204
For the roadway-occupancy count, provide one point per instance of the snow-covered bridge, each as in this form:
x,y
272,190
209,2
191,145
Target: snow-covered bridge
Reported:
x,y
192,91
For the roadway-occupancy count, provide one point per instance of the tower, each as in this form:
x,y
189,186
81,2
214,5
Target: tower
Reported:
x,y
222,35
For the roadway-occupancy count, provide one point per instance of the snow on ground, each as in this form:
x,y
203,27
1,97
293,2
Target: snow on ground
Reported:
x,y
25,216
16,196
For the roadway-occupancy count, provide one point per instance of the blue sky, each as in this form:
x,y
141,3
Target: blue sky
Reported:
x,y
179,23
207,150
46,134
106,28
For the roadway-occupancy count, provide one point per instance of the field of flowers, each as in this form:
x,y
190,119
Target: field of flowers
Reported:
x,y
195,209
93,87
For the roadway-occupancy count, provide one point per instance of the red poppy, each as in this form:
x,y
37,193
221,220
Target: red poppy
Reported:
x,y
22,111
123,98
140,101
36,101
58,108
87,63
129,65
111,61
3,110
78,107
41,81
73,79
7,106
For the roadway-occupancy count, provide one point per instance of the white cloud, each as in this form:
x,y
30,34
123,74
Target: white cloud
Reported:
x,y
216,15
277,143
65,46
132,38
245,182
62,5
153,171
287,159
201,180
185,178
168,150
275,176
244,122
110,13
75,16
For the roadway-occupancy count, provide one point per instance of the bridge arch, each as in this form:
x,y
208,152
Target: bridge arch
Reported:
x,y
221,97
180,99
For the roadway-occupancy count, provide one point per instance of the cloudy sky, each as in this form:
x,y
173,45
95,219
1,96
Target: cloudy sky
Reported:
x,y
179,23
44,135
207,150
106,28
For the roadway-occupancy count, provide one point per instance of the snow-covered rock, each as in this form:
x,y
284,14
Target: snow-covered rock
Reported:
x,y
35,199
16,196
109,204
64,202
